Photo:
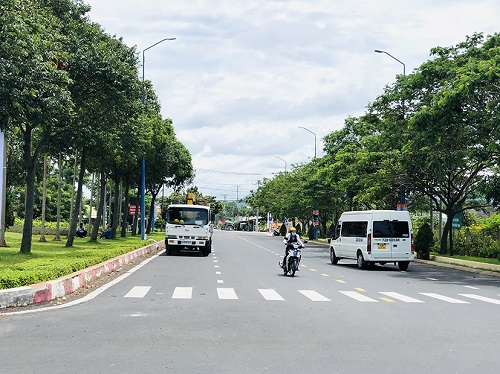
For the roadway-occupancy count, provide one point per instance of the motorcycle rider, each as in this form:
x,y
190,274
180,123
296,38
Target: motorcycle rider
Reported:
x,y
291,237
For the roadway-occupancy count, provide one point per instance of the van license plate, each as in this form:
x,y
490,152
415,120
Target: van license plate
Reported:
x,y
381,245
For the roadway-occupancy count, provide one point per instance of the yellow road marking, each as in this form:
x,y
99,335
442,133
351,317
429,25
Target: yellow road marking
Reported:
x,y
387,299
313,269
340,280
325,275
360,289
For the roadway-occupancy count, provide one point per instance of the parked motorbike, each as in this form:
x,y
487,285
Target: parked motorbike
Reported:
x,y
292,260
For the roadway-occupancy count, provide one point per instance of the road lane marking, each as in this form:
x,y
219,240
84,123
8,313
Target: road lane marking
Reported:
x,y
340,280
215,261
432,279
182,293
400,297
360,289
217,272
325,275
270,294
138,291
313,269
226,294
387,299
445,298
313,295
220,281
216,266
359,297
472,288
481,298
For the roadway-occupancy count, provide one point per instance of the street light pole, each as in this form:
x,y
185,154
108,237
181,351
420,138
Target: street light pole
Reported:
x,y
281,160
300,127
143,161
402,187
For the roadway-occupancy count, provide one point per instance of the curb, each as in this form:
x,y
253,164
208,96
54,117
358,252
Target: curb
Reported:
x,y
50,290
470,266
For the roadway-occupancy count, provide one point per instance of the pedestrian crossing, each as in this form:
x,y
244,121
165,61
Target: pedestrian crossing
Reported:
x,y
358,295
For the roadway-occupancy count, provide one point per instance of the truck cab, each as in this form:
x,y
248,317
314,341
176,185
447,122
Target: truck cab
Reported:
x,y
188,228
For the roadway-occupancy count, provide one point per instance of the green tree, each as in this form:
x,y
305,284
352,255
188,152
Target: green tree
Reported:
x,y
34,95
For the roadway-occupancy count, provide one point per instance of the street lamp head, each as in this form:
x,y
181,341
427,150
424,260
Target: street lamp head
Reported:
x,y
379,51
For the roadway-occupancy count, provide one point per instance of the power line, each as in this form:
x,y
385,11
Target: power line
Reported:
x,y
230,172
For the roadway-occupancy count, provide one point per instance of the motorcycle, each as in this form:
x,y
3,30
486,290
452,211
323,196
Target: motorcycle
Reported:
x,y
292,260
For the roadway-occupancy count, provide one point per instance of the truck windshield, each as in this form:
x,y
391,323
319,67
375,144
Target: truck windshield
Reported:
x,y
390,229
187,216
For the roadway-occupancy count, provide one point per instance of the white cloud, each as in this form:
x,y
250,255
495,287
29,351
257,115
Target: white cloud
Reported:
x,y
243,75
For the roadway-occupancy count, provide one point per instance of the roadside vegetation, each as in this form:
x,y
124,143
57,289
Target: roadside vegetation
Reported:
x,y
433,135
52,259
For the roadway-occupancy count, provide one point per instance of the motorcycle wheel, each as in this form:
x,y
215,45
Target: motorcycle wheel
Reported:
x,y
293,268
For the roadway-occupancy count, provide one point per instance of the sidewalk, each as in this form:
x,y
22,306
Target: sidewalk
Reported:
x,y
50,290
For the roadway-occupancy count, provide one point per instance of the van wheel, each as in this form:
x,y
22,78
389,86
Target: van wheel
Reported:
x,y
361,261
403,265
333,257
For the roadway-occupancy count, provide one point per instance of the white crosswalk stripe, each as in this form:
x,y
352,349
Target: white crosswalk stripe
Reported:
x,y
482,298
313,295
270,294
182,293
226,294
138,292
445,298
401,297
357,296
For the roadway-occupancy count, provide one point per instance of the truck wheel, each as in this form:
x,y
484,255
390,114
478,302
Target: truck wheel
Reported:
x,y
206,250
169,250
403,265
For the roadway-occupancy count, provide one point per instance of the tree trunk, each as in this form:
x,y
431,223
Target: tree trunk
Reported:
x,y
30,164
44,197
91,203
100,207
59,187
74,221
125,212
71,209
136,214
116,210
151,211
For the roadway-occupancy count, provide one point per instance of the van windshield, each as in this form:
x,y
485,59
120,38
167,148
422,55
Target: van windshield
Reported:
x,y
391,229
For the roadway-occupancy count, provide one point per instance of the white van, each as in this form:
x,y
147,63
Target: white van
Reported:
x,y
374,236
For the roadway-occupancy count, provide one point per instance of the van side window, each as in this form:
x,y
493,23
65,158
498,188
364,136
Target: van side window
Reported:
x,y
354,229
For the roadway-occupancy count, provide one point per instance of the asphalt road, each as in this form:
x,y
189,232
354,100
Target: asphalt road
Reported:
x,y
235,312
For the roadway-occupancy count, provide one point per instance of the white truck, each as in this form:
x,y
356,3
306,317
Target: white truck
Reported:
x,y
188,228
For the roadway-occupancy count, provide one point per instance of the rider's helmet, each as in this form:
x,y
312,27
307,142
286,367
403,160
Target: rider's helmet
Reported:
x,y
293,231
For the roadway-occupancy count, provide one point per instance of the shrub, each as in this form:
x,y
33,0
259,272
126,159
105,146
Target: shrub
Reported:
x,y
424,241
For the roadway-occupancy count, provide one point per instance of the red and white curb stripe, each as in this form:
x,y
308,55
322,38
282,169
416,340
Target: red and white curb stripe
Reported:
x,y
50,290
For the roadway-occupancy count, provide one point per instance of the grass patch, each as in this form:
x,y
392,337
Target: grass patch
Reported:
x,y
493,261
52,259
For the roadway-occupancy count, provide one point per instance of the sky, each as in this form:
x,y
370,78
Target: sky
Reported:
x,y
242,77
